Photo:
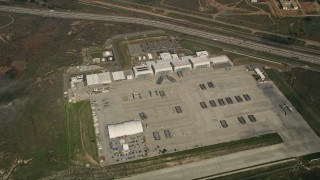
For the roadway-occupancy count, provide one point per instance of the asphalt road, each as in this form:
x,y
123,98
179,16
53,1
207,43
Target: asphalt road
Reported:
x,y
293,54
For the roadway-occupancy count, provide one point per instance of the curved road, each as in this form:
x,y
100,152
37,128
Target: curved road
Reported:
x,y
298,56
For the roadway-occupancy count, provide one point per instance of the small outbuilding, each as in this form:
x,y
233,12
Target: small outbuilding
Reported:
x,y
202,53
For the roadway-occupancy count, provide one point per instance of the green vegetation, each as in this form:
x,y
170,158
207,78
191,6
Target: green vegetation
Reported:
x,y
256,21
206,22
194,46
80,131
96,54
301,103
281,39
243,5
307,158
121,50
262,6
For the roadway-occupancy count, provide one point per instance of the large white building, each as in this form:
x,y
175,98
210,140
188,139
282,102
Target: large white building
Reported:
x,y
125,129
162,68
142,71
219,59
98,79
200,62
118,75
181,65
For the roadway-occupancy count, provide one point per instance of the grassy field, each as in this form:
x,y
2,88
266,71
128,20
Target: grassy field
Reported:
x,y
206,22
80,132
96,54
282,40
34,124
194,47
123,57
257,21
306,86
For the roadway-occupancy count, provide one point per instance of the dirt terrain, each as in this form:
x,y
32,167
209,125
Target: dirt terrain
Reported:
x,y
33,58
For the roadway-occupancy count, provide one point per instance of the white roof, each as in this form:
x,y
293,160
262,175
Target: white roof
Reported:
x,y
107,53
92,79
181,64
150,56
165,56
125,147
118,75
186,57
198,61
162,66
150,63
219,59
125,129
104,78
129,77
257,70
202,53
140,70
174,56
101,78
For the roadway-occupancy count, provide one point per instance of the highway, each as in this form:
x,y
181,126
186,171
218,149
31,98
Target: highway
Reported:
x,y
293,54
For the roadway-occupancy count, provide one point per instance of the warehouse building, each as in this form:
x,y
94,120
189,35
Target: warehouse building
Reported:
x,y
162,68
142,71
118,76
200,62
98,79
219,59
125,129
181,65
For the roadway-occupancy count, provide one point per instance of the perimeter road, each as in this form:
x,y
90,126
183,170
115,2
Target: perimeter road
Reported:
x,y
297,56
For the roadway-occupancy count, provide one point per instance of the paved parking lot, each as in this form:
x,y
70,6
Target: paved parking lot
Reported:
x,y
194,125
